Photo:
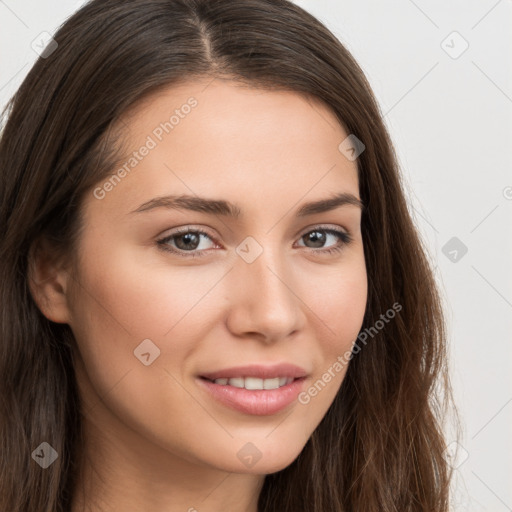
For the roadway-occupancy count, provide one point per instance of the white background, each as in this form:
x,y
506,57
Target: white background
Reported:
x,y
451,122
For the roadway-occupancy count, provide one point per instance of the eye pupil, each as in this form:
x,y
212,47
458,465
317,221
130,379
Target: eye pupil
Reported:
x,y
190,237
317,237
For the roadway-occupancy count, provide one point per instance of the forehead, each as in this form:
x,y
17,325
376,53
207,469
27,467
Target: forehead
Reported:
x,y
219,138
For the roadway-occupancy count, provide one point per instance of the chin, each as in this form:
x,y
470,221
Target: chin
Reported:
x,y
260,459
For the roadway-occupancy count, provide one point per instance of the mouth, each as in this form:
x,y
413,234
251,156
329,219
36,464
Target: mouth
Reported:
x,y
253,396
254,383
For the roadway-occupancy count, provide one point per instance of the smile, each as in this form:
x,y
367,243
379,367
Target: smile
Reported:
x,y
254,382
249,396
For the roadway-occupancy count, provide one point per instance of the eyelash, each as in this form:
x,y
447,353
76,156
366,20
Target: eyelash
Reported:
x,y
162,243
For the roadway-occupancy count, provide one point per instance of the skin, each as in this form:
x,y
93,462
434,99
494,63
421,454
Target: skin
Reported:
x,y
155,441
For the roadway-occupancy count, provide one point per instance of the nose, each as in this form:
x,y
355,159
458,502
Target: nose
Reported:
x,y
264,299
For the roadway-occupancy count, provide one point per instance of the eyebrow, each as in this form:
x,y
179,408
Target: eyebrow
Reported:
x,y
225,208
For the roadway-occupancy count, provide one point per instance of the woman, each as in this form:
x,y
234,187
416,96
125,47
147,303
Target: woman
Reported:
x,y
213,295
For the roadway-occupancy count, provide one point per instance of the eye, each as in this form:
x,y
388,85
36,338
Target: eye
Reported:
x,y
186,242
320,236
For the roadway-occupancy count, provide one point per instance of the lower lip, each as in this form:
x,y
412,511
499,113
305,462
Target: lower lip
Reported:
x,y
261,402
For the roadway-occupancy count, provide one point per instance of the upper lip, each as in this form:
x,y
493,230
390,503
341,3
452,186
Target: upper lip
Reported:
x,y
258,371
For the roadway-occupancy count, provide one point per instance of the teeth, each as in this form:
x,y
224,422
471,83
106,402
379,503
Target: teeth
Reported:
x,y
254,382
267,383
237,382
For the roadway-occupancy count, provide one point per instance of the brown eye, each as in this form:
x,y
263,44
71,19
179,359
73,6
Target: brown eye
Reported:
x,y
186,241
318,237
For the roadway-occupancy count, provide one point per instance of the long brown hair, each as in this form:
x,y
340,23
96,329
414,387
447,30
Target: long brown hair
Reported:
x,y
380,445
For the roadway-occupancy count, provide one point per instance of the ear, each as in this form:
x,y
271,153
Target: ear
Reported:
x,y
48,281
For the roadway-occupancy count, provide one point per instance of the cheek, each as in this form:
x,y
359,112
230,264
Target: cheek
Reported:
x,y
340,305
122,301
143,296
340,311
119,304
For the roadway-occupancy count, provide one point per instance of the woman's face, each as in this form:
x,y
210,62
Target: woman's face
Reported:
x,y
258,288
